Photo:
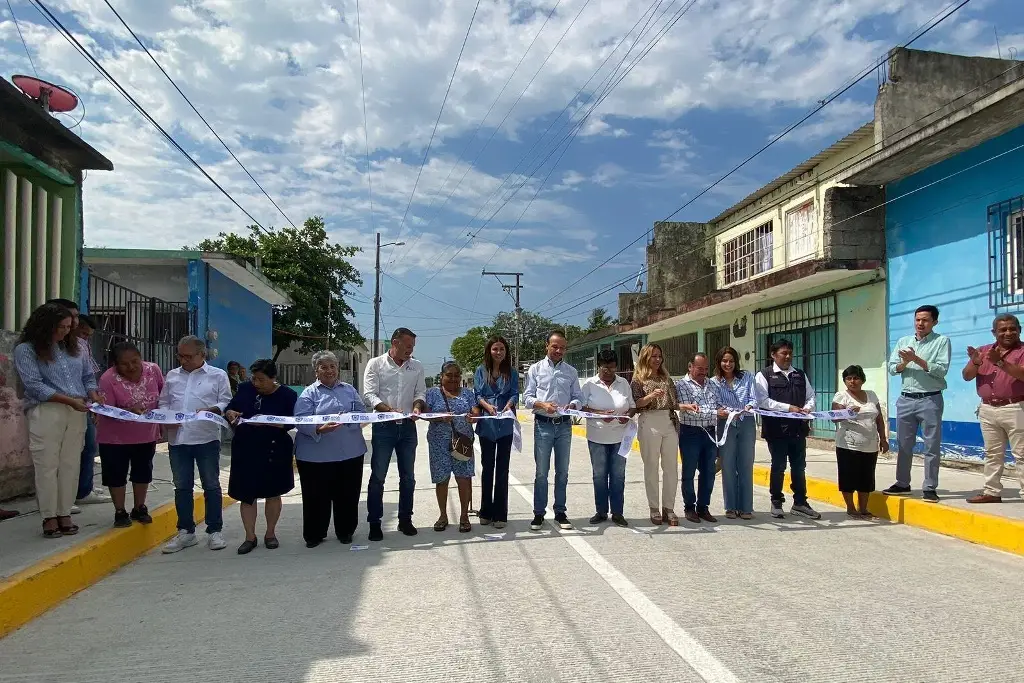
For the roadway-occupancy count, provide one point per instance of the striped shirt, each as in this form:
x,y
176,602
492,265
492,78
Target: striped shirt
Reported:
x,y
706,398
65,374
738,395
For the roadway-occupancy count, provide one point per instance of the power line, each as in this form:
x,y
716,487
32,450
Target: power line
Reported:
x,y
437,122
366,130
821,105
21,35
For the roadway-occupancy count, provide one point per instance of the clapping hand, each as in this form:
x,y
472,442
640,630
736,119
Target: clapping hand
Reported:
x,y
907,356
974,355
995,354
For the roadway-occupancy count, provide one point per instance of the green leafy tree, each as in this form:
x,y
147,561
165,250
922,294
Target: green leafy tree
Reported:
x,y
468,350
599,319
572,332
534,330
304,264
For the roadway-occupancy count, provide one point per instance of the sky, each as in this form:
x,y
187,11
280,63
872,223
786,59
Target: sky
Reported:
x,y
569,128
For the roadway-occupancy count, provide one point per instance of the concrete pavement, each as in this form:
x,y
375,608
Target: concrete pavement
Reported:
x,y
766,600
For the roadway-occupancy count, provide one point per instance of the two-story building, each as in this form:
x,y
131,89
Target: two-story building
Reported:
x,y
582,353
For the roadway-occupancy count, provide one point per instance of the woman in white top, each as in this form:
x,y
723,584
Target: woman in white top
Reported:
x,y
858,441
608,394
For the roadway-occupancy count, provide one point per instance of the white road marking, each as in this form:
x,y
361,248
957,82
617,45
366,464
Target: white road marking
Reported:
x,y
696,656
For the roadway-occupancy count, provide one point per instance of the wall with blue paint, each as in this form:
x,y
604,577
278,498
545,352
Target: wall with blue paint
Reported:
x,y
937,250
243,321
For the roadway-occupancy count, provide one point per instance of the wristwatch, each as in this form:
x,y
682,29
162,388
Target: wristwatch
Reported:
x,y
1000,363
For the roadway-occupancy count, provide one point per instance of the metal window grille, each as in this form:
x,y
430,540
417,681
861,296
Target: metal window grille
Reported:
x,y
811,326
1006,254
748,254
677,352
715,340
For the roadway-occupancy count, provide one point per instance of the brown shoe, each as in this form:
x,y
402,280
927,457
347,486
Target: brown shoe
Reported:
x,y
985,498
656,518
670,517
691,516
8,514
707,517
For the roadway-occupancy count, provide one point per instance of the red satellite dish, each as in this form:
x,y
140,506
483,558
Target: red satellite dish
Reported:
x,y
51,97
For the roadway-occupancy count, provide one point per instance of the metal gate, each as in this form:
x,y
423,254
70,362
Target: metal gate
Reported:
x,y
811,325
152,324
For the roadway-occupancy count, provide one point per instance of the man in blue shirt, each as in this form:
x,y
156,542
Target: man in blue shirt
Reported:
x,y
551,384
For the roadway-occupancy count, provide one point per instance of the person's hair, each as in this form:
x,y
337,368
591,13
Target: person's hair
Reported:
x,y
86,321
505,367
643,370
930,310
555,333
401,332
1005,318
781,344
233,364
855,371
121,348
39,329
66,303
720,356
321,356
195,341
264,365
696,355
450,364
607,357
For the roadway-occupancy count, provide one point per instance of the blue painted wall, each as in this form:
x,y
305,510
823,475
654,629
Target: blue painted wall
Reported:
x,y
242,321
937,250
197,295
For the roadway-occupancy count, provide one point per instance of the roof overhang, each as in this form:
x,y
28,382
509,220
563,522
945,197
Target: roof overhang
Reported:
x,y
247,276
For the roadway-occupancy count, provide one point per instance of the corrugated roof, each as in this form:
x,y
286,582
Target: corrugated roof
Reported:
x,y
866,130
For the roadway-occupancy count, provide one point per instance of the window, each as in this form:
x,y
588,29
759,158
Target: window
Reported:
x,y
801,233
677,352
715,340
1006,254
748,254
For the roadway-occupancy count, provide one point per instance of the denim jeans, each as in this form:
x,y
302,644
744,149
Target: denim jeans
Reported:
x,y
184,461
85,475
738,465
495,457
400,439
548,436
793,449
699,454
609,477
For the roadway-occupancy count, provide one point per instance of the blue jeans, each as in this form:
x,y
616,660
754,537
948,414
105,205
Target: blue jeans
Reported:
x,y
609,477
699,454
400,439
793,449
85,474
184,461
548,436
738,465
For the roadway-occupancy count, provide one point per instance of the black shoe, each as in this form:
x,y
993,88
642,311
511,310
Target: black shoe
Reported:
x,y
930,496
375,533
141,515
538,523
247,546
346,539
121,519
620,520
407,528
597,519
563,521
313,544
271,543
897,490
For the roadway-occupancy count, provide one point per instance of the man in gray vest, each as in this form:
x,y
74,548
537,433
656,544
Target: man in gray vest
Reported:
x,y
783,388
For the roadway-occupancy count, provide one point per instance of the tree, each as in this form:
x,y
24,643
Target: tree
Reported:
x,y
599,319
572,332
468,350
305,265
533,333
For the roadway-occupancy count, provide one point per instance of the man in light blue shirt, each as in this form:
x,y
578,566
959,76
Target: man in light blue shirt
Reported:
x,y
551,384
922,361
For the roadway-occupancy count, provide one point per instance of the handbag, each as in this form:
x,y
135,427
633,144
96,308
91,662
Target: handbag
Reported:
x,y
461,446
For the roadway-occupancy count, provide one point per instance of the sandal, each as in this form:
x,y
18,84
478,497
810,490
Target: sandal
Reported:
x,y
465,526
656,518
441,524
55,532
670,517
68,530
731,514
746,515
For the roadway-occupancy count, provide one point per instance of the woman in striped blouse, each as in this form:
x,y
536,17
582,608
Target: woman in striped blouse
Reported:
x,y
736,392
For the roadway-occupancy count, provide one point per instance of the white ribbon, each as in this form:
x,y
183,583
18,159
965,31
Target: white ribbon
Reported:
x,y
818,415
364,418
160,417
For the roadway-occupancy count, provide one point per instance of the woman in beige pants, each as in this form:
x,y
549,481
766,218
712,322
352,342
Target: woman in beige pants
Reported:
x,y
658,432
58,381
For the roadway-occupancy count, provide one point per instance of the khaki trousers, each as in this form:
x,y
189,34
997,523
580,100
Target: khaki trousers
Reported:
x,y
56,436
659,444
999,426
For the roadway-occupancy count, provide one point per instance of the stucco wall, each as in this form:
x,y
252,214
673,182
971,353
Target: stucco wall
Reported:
x,y
15,463
241,320
937,246
166,282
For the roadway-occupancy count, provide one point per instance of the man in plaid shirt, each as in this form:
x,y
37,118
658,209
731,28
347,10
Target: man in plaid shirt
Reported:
x,y
700,408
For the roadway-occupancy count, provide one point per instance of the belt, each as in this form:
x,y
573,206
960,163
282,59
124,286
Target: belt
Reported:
x,y
553,420
920,394
707,428
996,402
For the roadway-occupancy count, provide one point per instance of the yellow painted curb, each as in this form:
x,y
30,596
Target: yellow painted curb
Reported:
x,y
1001,533
46,584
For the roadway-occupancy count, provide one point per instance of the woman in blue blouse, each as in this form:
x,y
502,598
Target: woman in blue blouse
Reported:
x,y
736,392
497,390
329,456
451,397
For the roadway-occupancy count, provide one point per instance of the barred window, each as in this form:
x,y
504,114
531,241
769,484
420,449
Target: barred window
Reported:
x,y
748,254
1006,254
677,352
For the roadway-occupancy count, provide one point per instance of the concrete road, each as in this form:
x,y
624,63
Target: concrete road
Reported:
x,y
767,600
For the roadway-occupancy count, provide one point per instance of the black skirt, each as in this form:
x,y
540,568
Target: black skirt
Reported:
x,y
261,463
856,470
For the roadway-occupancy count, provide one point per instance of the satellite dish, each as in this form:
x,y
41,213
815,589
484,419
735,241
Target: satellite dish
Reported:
x,y
52,98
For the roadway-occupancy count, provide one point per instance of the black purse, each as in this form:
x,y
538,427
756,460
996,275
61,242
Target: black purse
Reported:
x,y
461,446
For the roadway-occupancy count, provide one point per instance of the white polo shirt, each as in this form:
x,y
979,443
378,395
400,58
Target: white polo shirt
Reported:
x,y
617,397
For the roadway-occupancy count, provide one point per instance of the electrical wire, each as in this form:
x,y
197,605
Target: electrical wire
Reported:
x,y
366,130
28,52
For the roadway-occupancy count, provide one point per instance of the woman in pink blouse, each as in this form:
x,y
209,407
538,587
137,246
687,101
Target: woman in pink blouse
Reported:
x,y
131,384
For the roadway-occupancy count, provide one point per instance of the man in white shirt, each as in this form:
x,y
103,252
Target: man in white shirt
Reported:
x,y
193,387
783,388
608,394
394,382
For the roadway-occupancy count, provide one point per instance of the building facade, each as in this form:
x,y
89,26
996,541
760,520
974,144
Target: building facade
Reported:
x,y
582,353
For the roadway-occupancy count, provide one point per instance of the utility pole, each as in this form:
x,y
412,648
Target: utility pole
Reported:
x,y
517,288
376,295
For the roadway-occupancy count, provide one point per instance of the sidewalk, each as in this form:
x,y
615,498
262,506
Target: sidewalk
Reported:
x,y
38,573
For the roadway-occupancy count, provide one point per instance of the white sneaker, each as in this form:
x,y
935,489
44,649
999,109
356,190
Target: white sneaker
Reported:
x,y
75,510
216,541
183,540
94,498
777,511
